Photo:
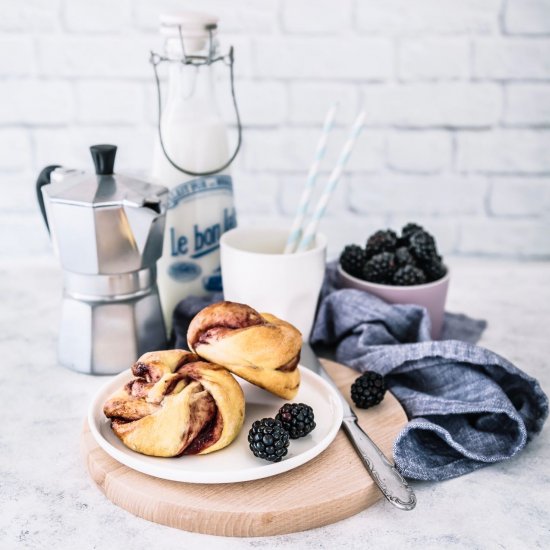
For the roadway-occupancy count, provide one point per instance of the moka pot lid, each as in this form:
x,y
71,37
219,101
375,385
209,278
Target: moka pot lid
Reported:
x,y
104,188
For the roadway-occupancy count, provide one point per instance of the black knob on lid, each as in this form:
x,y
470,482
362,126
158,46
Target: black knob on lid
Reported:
x,y
104,159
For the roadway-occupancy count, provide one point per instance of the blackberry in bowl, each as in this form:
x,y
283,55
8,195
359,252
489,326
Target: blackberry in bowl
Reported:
x,y
403,268
353,259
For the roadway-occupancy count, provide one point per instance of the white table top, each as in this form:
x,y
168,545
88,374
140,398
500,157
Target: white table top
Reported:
x,y
48,501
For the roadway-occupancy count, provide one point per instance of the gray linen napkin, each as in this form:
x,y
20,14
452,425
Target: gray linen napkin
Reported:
x,y
467,406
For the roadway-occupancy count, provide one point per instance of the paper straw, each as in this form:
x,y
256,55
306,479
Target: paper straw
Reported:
x,y
296,229
311,229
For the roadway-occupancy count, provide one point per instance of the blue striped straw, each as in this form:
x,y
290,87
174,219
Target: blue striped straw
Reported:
x,y
332,182
296,229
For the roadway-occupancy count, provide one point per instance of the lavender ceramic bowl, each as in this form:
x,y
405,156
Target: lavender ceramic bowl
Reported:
x,y
430,295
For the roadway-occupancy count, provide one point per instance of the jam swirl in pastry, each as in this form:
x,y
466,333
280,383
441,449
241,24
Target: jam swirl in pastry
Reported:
x,y
177,404
258,347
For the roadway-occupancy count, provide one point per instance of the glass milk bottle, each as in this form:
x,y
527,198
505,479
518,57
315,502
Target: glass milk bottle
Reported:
x,y
192,159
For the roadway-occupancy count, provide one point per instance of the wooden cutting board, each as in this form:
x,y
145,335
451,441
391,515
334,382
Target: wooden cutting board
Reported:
x,y
331,487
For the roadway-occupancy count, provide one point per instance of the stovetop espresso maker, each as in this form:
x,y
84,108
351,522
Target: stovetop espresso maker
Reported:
x,y
107,231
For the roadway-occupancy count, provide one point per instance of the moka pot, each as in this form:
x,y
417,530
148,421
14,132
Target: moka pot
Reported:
x,y
107,231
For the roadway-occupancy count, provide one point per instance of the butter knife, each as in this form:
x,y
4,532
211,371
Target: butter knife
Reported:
x,y
383,472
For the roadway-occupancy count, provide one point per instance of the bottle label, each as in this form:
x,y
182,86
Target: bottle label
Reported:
x,y
192,188
192,241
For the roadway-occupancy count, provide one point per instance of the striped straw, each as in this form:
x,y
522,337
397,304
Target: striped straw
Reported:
x,y
296,229
311,229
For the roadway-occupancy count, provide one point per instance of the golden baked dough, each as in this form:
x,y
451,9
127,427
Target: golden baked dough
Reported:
x,y
177,404
258,347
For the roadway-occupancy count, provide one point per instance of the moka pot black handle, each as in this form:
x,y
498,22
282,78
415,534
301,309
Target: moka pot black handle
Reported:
x,y
44,179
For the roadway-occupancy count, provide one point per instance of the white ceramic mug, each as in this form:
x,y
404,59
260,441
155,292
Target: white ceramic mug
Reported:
x,y
256,272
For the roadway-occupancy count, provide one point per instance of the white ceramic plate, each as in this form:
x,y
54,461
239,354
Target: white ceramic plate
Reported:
x,y
236,462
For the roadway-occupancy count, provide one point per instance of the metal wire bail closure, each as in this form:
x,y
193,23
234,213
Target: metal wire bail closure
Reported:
x,y
156,59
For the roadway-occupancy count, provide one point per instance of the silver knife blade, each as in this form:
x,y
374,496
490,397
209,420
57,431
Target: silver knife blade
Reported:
x,y
383,472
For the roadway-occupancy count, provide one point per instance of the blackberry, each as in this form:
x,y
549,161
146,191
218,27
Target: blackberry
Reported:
x,y
381,241
353,259
422,246
268,440
380,268
368,390
434,269
409,230
404,257
297,419
409,275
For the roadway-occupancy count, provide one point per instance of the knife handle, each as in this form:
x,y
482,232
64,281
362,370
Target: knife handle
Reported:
x,y
383,472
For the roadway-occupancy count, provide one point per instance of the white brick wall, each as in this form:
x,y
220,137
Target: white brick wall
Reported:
x,y
504,151
429,16
521,197
457,94
512,58
433,58
427,151
15,150
527,105
323,58
297,16
527,17
448,104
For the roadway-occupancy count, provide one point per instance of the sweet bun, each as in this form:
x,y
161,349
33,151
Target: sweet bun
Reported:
x,y
177,404
258,347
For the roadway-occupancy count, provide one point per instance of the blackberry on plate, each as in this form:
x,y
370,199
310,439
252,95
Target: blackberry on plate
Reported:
x,y
404,257
353,259
380,268
422,246
434,269
268,439
297,419
381,241
409,275
368,390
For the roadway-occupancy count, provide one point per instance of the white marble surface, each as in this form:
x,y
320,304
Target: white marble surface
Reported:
x,y
48,501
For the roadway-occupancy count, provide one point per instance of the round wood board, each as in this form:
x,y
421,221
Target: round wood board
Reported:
x,y
331,487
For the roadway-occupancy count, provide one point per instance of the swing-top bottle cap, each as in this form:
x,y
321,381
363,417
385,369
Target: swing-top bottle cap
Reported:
x,y
195,28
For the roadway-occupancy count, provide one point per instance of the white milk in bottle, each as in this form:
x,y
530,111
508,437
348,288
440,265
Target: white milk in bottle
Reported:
x,y
192,159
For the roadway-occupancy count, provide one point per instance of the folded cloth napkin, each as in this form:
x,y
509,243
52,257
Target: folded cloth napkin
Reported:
x,y
467,406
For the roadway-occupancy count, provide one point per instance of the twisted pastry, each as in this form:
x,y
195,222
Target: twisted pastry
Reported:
x,y
177,404
258,347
